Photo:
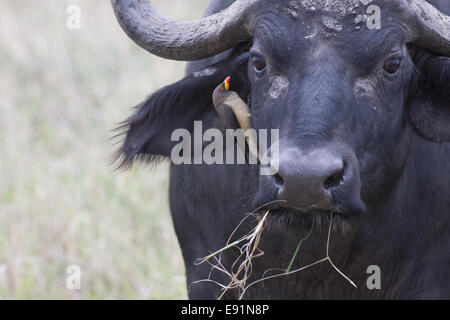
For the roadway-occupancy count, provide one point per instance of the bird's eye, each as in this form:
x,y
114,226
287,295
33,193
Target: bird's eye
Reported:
x,y
392,65
259,64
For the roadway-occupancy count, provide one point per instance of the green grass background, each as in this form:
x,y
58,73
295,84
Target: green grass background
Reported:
x,y
61,202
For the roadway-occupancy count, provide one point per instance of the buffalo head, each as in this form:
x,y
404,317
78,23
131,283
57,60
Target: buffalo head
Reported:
x,y
346,98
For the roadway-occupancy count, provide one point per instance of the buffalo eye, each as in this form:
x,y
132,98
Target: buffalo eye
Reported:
x,y
392,65
259,64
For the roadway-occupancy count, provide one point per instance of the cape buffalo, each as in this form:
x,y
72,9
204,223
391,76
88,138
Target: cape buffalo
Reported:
x,y
360,205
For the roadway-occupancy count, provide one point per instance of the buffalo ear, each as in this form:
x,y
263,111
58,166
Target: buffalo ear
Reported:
x,y
148,132
430,109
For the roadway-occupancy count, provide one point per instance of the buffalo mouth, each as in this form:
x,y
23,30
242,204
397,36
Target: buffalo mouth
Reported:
x,y
344,216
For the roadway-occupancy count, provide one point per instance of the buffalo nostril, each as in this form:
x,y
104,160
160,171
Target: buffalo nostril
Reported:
x,y
279,181
334,180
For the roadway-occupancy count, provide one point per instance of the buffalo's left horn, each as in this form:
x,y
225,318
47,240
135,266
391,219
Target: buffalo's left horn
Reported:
x,y
186,40
428,27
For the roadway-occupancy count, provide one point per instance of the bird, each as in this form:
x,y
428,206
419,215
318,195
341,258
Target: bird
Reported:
x,y
234,113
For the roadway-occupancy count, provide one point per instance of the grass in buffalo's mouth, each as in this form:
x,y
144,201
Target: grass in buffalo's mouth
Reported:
x,y
288,269
249,250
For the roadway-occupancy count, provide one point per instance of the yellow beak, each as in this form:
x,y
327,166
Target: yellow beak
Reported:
x,y
227,83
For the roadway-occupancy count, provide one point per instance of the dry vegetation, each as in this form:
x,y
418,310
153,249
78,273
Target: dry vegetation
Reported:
x,y
61,202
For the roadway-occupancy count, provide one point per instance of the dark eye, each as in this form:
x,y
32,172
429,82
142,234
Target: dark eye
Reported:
x,y
392,65
259,64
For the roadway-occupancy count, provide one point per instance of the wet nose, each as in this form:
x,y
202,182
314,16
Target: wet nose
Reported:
x,y
306,181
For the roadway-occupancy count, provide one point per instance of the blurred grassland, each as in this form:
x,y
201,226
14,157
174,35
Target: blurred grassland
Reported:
x,y
61,202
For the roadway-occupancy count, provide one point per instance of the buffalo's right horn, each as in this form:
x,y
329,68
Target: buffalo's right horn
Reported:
x,y
186,40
